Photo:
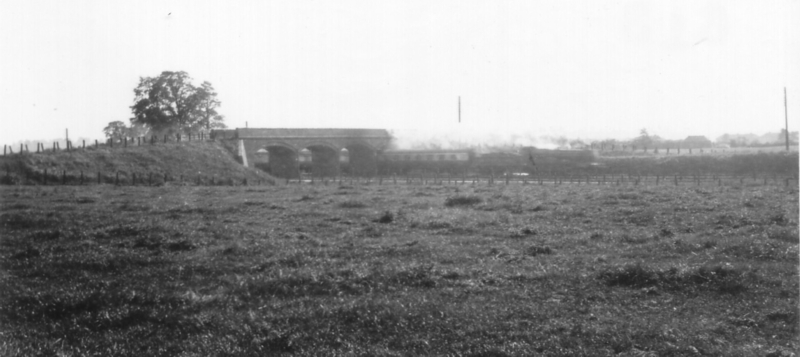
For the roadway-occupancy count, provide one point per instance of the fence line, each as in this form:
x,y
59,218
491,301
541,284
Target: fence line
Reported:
x,y
675,180
109,143
43,177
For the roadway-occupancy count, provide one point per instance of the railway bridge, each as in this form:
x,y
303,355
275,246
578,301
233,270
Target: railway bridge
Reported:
x,y
325,152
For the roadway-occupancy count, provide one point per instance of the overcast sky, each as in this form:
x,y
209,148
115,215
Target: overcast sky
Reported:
x,y
591,69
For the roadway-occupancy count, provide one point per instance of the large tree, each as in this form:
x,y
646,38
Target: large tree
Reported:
x,y
171,103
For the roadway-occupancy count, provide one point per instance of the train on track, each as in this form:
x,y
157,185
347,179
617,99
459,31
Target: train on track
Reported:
x,y
527,160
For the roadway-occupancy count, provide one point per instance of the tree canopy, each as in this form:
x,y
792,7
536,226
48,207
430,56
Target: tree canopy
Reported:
x,y
115,130
171,103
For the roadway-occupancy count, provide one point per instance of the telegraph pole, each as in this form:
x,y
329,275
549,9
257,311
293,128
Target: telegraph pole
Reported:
x,y
786,115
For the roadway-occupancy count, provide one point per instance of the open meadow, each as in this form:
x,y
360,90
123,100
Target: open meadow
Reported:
x,y
461,270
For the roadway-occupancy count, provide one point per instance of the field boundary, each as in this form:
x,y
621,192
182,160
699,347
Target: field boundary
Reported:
x,y
81,178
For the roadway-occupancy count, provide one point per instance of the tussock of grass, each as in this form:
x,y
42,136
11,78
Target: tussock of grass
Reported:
x,y
535,250
386,217
462,200
352,204
722,278
522,233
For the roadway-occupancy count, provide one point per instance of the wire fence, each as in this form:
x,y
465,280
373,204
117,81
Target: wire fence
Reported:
x,y
109,143
119,178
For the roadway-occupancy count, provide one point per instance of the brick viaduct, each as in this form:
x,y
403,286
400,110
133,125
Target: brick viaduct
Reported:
x,y
278,150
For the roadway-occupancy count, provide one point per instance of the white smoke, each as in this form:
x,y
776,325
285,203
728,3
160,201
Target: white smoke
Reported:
x,y
480,141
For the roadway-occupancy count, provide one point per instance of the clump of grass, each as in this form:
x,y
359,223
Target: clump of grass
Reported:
x,y
522,233
785,234
722,278
438,224
28,253
535,250
387,217
666,232
538,208
179,246
779,219
462,200
305,198
352,204
417,276
627,238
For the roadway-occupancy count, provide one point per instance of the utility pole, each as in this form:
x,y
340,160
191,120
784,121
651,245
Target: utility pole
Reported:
x,y
786,115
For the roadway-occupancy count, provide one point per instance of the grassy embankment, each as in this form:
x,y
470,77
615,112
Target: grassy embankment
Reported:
x,y
190,160
397,270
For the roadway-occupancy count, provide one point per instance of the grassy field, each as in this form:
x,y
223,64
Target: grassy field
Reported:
x,y
466,270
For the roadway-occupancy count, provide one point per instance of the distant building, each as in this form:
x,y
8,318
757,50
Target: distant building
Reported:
x,y
697,142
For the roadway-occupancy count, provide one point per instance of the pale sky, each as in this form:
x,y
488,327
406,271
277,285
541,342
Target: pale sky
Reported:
x,y
589,69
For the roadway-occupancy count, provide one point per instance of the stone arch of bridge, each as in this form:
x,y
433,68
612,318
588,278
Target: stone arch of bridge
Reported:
x,y
280,159
280,150
324,159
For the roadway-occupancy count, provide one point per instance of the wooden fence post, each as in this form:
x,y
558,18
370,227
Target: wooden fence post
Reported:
x,y
64,177
81,177
44,178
